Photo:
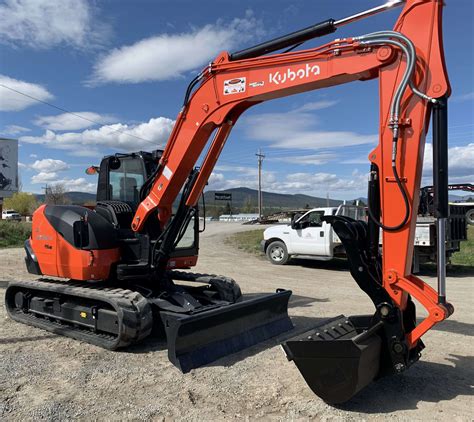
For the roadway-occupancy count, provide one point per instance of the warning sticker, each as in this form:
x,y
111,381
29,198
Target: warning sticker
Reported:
x,y
234,86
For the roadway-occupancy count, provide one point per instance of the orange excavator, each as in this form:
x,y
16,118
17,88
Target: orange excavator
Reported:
x,y
121,257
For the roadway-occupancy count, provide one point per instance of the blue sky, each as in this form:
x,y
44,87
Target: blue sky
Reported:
x,y
126,66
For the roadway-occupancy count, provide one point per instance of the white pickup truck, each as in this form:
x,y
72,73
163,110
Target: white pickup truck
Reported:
x,y
307,236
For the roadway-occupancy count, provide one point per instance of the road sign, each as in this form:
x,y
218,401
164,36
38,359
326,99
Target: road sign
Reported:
x,y
219,196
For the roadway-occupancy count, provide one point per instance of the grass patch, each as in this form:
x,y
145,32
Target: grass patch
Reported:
x,y
466,255
247,241
13,234
462,262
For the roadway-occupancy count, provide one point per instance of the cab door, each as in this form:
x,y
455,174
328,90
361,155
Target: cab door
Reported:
x,y
310,237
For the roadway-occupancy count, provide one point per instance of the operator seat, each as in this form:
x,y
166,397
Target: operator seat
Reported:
x,y
128,190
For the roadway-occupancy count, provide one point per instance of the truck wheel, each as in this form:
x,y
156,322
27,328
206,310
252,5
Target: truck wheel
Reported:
x,y
470,217
277,253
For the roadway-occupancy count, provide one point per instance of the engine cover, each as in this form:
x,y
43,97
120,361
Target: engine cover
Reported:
x,y
72,242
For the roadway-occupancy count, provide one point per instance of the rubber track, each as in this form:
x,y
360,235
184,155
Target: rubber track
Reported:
x,y
133,312
228,287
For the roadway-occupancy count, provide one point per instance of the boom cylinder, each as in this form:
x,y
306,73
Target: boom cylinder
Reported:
x,y
317,30
313,31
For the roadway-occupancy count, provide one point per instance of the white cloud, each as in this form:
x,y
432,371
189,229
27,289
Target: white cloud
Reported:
x,y
318,184
312,159
33,156
44,177
12,130
49,23
296,130
12,101
68,121
469,96
79,184
316,105
169,56
460,162
119,137
49,165
47,169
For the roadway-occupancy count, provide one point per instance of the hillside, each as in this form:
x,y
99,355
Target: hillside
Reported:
x,y
74,197
240,197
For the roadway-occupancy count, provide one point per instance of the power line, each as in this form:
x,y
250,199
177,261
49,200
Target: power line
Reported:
x,y
75,114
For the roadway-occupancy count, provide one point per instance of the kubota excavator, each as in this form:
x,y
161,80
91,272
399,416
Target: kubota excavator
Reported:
x,y
120,257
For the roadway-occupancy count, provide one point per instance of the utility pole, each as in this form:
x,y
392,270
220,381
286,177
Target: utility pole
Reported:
x,y
260,157
46,187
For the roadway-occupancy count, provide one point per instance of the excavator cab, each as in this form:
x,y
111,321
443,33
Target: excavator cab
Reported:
x,y
121,178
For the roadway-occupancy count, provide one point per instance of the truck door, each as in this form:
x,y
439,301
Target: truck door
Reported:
x,y
310,237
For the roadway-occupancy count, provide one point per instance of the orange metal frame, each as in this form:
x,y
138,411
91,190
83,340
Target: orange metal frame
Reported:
x,y
215,108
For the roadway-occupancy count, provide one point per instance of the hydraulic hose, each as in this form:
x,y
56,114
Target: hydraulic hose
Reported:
x,y
383,38
405,200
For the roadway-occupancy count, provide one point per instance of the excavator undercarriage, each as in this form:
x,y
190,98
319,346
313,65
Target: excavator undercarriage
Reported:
x,y
201,324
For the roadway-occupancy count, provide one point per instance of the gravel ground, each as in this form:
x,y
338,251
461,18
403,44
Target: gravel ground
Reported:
x,y
46,377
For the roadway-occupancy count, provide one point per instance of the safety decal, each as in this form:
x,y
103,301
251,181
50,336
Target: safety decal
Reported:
x,y
256,84
167,172
234,86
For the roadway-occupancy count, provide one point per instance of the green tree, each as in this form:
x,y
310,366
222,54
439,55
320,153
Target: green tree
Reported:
x,y
22,202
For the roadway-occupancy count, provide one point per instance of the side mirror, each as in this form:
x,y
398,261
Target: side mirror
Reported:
x,y
114,163
294,224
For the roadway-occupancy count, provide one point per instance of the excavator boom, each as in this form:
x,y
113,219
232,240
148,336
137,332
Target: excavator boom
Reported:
x,y
409,63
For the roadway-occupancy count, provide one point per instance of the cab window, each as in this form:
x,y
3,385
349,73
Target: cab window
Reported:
x,y
313,218
126,181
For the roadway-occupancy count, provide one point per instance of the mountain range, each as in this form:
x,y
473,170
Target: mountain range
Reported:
x,y
243,196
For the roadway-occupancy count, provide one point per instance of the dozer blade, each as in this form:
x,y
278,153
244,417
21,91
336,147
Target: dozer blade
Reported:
x,y
338,358
196,340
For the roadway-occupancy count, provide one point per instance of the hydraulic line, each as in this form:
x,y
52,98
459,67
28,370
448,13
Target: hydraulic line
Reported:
x,y
383,38
412,52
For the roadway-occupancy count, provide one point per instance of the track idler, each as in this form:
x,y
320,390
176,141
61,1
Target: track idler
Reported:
x,y
338,358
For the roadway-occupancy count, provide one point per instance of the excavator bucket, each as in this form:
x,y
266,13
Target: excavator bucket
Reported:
x,y
199,339
338,358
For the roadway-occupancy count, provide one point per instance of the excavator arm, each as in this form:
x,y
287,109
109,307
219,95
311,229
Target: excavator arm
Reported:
x,y
413,85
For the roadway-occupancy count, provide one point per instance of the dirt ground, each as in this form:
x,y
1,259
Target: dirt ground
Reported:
x,y
46,377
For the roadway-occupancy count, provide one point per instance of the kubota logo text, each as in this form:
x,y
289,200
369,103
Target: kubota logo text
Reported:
x,y
290,75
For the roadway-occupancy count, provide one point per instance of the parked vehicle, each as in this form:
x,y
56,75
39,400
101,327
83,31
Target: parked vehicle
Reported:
x,y
11,215
308,236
